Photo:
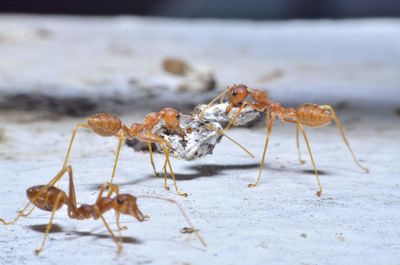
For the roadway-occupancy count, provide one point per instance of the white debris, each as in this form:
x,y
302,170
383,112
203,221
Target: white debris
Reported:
x,y
199,141
216,113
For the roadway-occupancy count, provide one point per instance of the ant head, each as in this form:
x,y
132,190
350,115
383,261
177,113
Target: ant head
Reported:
x,y
170,117
126,204
237,93
151,119
135,129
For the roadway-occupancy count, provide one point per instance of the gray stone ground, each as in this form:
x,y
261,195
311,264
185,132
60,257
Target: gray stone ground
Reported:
x,y
47,63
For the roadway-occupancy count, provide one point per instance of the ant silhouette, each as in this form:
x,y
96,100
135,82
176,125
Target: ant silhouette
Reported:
x,y
308,114
50,198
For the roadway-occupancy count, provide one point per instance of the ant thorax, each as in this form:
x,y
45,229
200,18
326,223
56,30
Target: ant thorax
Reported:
x,y
217,113
199,139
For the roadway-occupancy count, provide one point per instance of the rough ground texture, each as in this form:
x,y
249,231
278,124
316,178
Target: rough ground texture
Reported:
x,y
351,64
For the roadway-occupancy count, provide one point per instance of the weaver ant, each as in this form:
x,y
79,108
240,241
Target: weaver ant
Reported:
x,y
311,115
50,198
106,125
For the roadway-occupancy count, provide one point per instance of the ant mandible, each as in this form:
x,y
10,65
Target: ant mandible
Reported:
x,y
50,198
308,114
106,125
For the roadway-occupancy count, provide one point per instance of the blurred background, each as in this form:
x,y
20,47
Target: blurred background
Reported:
x,y
242,9
80,57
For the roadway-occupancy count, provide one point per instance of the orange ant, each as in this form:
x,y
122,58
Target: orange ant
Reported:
x,y
308,114
50,198
105,124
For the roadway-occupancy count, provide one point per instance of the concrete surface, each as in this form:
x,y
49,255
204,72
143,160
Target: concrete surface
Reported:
x,y
279,222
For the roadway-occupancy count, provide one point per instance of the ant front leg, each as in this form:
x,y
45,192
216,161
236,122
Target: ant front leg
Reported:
x,y
270,122
79,125
340,127
117,217
235,118
166,146
151,158
117,242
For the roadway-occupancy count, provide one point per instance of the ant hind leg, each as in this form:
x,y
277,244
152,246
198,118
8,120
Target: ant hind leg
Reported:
x,y
49,225
340,127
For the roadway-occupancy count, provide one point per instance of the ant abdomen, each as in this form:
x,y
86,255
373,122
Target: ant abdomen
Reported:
x,y
105,124
45,197
313,115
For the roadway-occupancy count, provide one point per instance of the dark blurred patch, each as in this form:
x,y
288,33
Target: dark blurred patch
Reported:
x,y
125,239
2,136
397,111
43,33
249,9
32,102
312,172
42,228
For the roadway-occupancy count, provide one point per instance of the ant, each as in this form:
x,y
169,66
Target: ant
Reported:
x,y
107,125
308,114
50,198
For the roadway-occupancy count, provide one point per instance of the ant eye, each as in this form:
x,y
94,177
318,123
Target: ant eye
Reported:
x,y
119,201
178,116
234,93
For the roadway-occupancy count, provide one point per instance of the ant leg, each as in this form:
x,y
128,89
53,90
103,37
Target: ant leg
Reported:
x,y
312,160
165,172
117,216
48,227
22,213
121,140
270,123
184,194
118,243
211,127
149,140
192,228
339,126
79,125
234,120
298,145
151,159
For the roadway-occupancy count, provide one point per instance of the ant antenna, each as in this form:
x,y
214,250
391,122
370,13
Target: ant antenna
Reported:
x,y
203,242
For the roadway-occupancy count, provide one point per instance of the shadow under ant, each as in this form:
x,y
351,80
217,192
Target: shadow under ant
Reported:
x,y
55,228
41,228
211,170
125,239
